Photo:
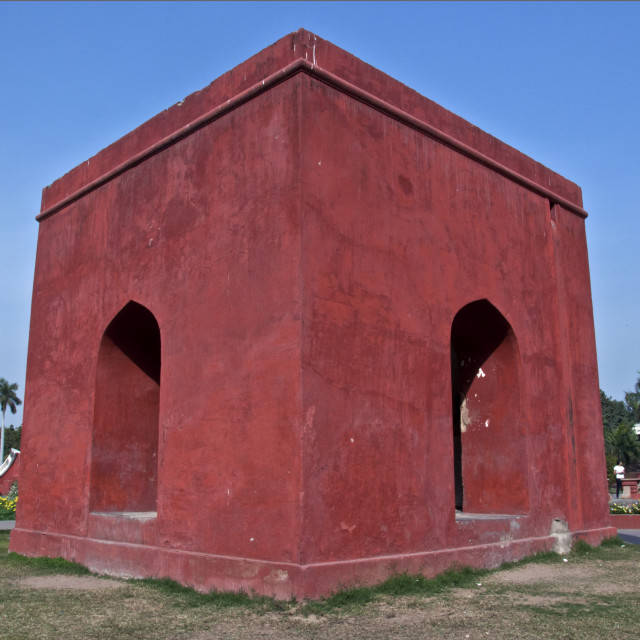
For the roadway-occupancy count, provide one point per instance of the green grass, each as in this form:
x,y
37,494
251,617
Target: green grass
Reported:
x,y
616,541
182,596
404,584
37,566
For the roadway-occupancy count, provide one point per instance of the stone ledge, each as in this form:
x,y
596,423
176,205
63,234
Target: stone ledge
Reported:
x,y
624,521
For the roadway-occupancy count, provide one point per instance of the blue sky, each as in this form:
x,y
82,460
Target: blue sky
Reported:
x,y
558,81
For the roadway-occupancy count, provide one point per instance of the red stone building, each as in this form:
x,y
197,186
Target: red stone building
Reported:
x,y
304,329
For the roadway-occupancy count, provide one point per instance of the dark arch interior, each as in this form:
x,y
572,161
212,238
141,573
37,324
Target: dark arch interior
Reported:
x,y
136,333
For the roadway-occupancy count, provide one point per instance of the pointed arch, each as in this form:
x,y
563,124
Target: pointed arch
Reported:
x,y
124,462
490,461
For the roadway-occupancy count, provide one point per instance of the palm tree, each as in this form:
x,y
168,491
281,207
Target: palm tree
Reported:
x,y
8,398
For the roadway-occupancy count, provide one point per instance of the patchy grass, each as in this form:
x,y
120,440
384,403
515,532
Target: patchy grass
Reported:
x,y
182,596
590,594
543,557
399,585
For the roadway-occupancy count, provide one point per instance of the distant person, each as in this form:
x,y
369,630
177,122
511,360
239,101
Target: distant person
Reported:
x,y
619,471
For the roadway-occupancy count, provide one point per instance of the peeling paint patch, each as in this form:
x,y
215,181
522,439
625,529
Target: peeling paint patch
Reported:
x,y
276,576
345,527
308,422
465,418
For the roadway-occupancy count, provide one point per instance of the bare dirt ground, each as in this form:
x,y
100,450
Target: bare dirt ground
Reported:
x,y
83,583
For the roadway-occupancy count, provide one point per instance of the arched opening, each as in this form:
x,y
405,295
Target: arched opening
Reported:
x,y
490,461
124,463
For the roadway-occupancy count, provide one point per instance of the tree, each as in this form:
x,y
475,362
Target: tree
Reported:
x,y
626,445
8,398
632,400
614,414
12,437
618,419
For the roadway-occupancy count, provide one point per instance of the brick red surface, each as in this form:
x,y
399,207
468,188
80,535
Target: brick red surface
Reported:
x,y
314,242
625,522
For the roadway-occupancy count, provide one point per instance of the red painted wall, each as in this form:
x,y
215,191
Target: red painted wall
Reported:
x,y
304,246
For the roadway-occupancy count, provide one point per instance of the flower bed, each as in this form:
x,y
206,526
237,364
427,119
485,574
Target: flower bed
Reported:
x,y
625,516
625,509
8,508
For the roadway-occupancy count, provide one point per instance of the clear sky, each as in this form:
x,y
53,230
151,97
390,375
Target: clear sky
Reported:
x,y
558,81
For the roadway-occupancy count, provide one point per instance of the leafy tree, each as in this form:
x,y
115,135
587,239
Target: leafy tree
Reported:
x,y
626,445
618,419
632,400
8,398
611,461
614,414
12,437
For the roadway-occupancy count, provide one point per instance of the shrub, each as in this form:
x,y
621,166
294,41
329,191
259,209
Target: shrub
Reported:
x,y
8,508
